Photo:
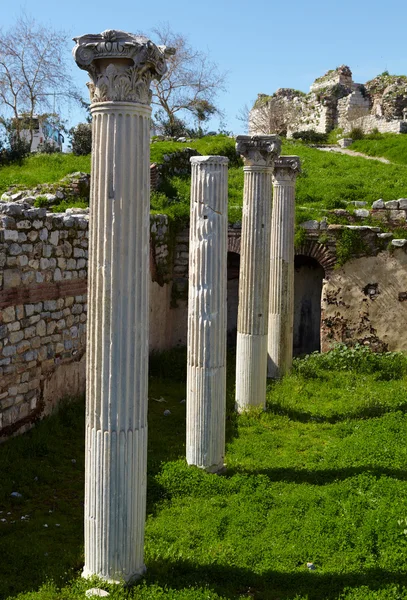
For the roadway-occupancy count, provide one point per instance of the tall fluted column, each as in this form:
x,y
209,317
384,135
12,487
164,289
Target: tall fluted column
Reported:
x,y
207,318
121,67
258,154
281,303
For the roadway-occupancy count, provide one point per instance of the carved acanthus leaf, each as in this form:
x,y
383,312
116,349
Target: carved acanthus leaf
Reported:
x,y
108,58
287,168
258,150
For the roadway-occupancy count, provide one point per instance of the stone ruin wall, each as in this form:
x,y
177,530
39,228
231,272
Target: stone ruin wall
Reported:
x,y
43,307
334,101
43,288
364,300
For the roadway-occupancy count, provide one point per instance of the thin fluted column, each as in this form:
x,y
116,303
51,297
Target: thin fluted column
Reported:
x,y
207,314
117,342
258,153
281,303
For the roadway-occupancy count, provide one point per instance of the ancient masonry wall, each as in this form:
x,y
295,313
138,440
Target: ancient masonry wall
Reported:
x,y
43,288
43,306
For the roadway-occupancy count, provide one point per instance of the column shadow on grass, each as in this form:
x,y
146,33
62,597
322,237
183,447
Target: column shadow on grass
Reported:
x,y
319,476
306,417
231,582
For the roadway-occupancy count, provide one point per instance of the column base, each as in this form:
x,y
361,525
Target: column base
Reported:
x,y
251,371
215,469
86,574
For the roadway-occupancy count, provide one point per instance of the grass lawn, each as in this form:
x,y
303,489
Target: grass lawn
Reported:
x,y
327,180
319,477
389,145
42,168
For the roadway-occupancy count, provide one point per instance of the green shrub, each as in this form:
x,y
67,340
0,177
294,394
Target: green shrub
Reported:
x,y
47,147
300,236
357,133
41,202
81,139
311,136
349,244
62,206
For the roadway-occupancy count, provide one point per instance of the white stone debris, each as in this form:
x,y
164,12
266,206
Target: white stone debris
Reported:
x,y
96,592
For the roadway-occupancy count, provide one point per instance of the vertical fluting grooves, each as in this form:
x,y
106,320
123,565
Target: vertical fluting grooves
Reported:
x,y
251,350
117,345
206,370
281,303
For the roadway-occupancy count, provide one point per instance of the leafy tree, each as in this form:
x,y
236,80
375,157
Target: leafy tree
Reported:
x,y
81,138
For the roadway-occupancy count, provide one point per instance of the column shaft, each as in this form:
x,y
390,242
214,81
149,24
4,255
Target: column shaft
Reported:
x,y
117,345
251,352
207,320
281,305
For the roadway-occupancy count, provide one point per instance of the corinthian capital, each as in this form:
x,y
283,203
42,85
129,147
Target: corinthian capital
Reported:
x,y
286,168
258,150
121,65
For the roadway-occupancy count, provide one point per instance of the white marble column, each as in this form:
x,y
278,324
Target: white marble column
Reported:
x,y
207,313
258,153
281,302
121,67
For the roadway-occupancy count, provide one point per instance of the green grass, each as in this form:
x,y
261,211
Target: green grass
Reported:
x,y
327,180
388,145
42,168
319,477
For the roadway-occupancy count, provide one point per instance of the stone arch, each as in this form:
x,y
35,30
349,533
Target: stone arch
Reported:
x,y
322,254
234,243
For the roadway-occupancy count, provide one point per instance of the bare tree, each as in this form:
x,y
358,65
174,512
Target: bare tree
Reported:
x,y
33,70
191,83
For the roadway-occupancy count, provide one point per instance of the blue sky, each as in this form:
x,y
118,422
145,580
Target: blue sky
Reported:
x,y
263,45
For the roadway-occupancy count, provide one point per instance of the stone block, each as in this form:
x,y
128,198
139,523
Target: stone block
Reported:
x,y
10,235
44,263
402,203
311,225
16,337
362,213
24,224
397,215
32,236
9,314
43,234
41,328
23,347
9,351
36,342
392,205
15,249
30,356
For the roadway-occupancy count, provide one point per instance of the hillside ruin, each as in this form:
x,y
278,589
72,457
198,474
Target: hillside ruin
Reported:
x,y
334,101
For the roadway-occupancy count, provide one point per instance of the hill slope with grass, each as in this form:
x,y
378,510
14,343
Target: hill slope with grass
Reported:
x,y
388,145
327,181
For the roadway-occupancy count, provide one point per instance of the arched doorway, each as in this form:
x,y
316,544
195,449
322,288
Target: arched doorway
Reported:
x,y
232,296
308,278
